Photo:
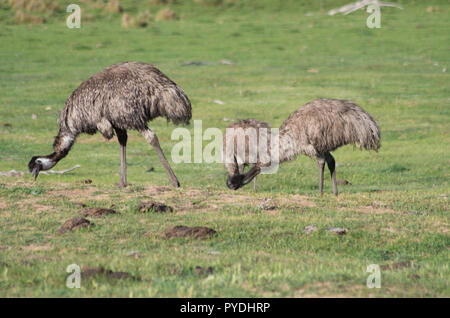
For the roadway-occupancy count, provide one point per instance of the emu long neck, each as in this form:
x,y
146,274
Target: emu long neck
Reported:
x,y
287,146
63,143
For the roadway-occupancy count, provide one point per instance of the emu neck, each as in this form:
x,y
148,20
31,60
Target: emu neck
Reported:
x,y
287,147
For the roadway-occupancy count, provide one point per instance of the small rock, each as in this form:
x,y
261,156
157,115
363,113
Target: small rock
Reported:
x,y
134,254
154,207
34,116
197,232
343,182
218,101
96,212
48,108
74,224
226,62
338,230
310,229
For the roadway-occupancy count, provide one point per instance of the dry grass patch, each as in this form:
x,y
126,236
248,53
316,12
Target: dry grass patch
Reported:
x,y
37,248
41,6
142,20
22,18
113,6
165,14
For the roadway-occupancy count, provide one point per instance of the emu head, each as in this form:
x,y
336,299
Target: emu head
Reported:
x,y
238,180
38,163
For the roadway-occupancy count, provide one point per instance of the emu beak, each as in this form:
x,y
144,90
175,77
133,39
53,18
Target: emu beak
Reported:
x,y
35,172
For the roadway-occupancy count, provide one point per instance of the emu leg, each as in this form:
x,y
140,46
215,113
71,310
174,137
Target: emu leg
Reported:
x,y
254,184
152,139
122,137
331,166
321,165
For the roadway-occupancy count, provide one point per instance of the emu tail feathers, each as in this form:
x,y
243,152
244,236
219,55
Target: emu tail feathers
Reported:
x,y
174,105
364,131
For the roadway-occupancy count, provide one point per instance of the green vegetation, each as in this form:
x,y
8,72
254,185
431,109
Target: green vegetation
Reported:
x,y
283,54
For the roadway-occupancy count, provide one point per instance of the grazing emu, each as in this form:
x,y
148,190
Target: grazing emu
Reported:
x,y
240,160
316,129
123,96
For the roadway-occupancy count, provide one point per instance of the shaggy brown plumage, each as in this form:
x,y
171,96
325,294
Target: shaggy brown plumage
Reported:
x,y
121,97
316,129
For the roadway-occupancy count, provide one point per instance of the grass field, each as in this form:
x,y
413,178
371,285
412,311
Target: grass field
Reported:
x,y
283,55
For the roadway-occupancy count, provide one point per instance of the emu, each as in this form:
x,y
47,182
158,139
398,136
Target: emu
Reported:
x,y
123,96
316,129
231,137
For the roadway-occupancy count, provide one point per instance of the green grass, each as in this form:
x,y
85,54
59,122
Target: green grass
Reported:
x,y
396,209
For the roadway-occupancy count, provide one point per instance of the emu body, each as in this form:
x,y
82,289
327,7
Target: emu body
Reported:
x,y
316,129
121,97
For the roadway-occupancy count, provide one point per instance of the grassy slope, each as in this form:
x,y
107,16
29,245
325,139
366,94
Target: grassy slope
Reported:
x,y
396,209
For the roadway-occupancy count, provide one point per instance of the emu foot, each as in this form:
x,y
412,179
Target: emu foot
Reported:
x,y
121,185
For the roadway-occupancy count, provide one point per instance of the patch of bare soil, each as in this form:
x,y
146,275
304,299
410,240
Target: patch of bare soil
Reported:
x,y
74,224
202,271
36,248
370,209
96,212
298,200
197,232
157,189
89,272
395,266
154,207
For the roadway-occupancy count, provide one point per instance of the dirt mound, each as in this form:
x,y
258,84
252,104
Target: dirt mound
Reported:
x,y
89,272
201,271
96,212
154,207
74,224
343,182
395,266
197,232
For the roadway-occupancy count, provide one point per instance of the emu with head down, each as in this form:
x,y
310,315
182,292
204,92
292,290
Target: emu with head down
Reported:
x,y
246,132
121,97
316,129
